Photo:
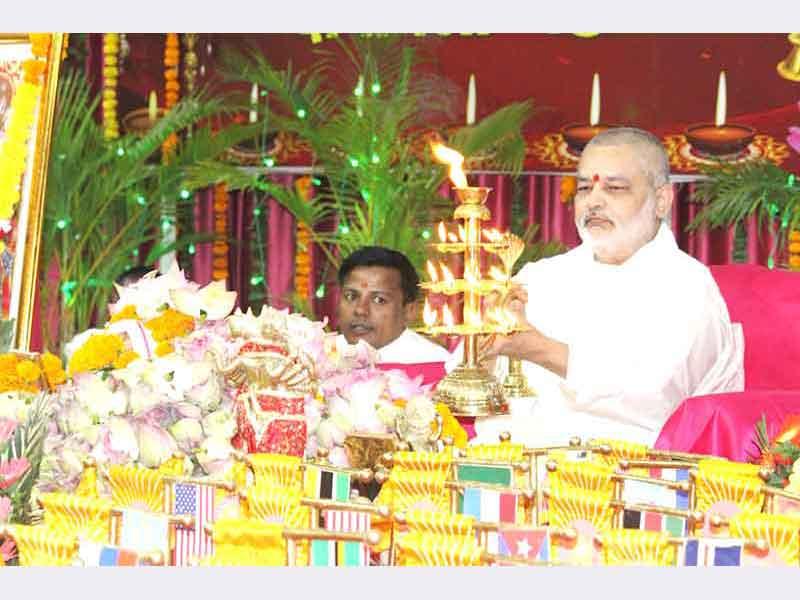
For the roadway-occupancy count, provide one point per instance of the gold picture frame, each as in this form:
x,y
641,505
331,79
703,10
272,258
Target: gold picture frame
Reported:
x,y
26,231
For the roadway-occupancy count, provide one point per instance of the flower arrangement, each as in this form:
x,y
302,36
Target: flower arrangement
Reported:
x,y
127,402
33,373
14,148
781,456
172,87
219,250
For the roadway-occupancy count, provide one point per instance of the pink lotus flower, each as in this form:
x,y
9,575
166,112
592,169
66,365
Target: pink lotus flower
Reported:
x,y
793,139
7,427
12,470
7,550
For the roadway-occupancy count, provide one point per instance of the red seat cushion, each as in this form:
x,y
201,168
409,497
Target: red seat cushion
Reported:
x,y
767,304
724,424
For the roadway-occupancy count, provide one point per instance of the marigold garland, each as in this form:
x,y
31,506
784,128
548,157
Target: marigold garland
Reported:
x,y
100,351
110,79
219,250
794,250
170,324
172,51
18,374
302,257
14,148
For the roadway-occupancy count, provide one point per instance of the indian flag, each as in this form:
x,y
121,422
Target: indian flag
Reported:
x,y
326,484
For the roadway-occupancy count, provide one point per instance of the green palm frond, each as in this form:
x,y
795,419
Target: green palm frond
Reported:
x,y
732,193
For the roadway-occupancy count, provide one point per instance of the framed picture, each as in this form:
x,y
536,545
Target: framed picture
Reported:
x,y
29,66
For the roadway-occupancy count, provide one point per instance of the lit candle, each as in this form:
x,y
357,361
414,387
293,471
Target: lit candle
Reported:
x,y
594,109
471,100
152,107
722,101
254,103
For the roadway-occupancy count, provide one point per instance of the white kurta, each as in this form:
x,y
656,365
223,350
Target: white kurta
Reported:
x,y
642,337
411,348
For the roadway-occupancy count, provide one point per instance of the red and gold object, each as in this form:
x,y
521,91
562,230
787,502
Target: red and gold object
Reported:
x,y
172,87
720,139
302,260
219,250
110,80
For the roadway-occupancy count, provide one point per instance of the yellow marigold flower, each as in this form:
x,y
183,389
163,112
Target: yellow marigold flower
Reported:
x,y
126,312
29,371
170,324
53,369
163,348
451,427
99,352
110,72
124,359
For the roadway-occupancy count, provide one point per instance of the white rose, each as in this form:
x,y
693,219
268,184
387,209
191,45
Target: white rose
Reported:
x,y
220,424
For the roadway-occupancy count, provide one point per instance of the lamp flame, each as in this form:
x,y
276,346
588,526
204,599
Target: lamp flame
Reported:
x,y
497,273
471,277
429,315
434,275
452,237
447,274
462,233
442,231
722,100
447,316
450,157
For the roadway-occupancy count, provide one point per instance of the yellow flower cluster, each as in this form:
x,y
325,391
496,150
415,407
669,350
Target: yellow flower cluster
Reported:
x,y
172,86
163,348
127,312
101,351
14,149
53,370
125,358
110,78
24,374
170,324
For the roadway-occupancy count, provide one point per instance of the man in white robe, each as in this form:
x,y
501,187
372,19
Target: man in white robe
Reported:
x,y
623,328
378,298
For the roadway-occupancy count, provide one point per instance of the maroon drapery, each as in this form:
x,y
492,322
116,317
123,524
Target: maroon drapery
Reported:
x,y
541,200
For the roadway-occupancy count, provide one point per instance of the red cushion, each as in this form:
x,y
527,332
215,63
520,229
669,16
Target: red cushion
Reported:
x,y
724,424
767,304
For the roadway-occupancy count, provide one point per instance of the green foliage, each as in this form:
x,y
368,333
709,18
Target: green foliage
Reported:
x,y
107,199
381,188
732,193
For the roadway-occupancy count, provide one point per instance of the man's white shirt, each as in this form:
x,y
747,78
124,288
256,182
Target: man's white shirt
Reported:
x,y
411,348
642,337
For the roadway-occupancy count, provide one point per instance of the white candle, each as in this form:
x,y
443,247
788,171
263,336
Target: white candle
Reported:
x,y
471,100
594,109
253,103
152,106
722,101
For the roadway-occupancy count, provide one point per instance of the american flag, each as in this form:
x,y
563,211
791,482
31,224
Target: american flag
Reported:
x,y
198,501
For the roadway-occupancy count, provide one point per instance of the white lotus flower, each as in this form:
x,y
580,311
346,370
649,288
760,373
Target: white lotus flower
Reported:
x,y
187,433
122,437
213,302
220,424
155,445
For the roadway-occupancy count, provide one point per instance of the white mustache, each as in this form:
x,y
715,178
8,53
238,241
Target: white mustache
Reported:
x,y
593,215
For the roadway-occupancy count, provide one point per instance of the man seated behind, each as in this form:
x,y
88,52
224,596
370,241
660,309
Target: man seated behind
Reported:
x,y
377,299
623,328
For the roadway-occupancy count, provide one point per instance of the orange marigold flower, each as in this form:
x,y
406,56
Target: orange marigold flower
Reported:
x,y
164,348
33,69
569,186
127,312
170,324
124,359
40,43
29,371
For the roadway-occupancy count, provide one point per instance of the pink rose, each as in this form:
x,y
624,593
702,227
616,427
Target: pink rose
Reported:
x,y
7,427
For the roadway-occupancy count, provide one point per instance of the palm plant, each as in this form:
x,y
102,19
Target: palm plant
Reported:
x,y
105,200
380,184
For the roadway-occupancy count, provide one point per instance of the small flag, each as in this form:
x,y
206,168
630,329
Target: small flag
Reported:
x,y
326,485
92,554
498,475
349,554
490,506
144,531
198,501
323,553
654,521
654,493
532,543
712,552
